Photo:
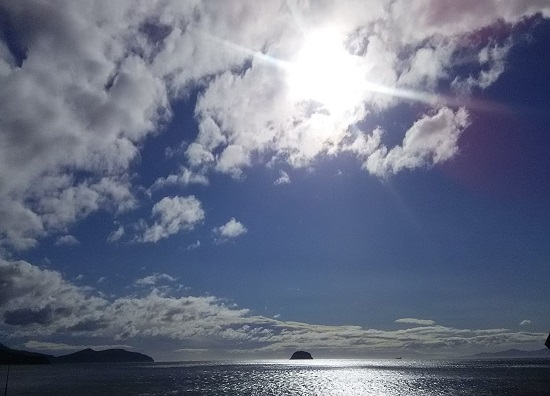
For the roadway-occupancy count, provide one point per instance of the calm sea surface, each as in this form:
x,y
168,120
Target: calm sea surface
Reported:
x,y
318,377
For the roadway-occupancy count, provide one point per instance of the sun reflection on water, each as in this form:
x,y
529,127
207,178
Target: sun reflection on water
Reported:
x,y
294,378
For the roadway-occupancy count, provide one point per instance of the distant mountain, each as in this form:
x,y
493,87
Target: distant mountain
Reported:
x,y
106,356
516,353
13,356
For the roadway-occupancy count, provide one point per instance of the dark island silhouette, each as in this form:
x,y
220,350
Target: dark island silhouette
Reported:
x,y
301,355
515,353
14,356
107,356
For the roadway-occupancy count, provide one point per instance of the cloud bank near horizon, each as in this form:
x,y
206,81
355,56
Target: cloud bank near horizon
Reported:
x,y
89,81
37,303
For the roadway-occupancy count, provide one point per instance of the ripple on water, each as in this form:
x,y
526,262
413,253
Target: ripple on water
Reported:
x,y
319,377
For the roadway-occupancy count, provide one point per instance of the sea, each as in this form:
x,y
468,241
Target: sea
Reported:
x,y
529,377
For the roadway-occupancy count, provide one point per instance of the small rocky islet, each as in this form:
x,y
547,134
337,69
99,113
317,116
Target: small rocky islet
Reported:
x,y
301,355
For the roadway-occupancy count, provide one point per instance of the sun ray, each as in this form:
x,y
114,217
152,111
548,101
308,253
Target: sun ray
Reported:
x,y
323,70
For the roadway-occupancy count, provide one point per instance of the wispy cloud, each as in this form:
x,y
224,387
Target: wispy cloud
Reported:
x,y
421,322
55,346
154,279
184,178
67,240
194,245
116,235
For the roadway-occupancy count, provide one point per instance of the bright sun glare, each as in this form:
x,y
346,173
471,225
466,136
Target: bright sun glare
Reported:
x,y
324,71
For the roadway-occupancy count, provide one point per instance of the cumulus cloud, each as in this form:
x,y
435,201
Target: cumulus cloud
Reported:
x,y
67,240
38,303
420,322
89,81
431,140
231,229
283,178
171,215
60,117
299,132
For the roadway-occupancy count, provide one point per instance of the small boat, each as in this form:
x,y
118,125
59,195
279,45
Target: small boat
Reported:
x,y
399,358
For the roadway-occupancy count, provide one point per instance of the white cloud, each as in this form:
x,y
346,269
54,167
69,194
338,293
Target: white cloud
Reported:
x,y
492,60
283,178
363,145
67,240
231,229
66,120
97,79
299,132
184,178
449,18
40,303
421,322
428,65
116,235
431,140
194,245
171,215
232,159
525,322
154,279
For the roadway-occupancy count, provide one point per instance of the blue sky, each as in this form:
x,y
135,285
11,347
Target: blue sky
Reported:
x,y
199,180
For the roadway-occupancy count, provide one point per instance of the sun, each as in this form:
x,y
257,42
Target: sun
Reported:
x,y
323,70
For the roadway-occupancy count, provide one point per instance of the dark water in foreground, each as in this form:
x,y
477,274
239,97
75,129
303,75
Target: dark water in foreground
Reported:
x,y
318,377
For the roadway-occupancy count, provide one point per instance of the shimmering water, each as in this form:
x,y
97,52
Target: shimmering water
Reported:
x,y
318,377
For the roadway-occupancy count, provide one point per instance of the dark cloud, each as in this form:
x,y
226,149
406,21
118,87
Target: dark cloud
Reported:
x,y
89,325
25,316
